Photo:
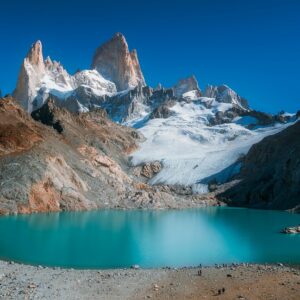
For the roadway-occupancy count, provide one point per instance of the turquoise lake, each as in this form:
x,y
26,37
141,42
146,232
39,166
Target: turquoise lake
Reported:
x,y
176,238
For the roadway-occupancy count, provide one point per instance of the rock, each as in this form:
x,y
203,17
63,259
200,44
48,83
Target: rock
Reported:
x,y
187,85
163,110
224,94
30,75
150,169
291,230
115,63
135,267
46,115
270,176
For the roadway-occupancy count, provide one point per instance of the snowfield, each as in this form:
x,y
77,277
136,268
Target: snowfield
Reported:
x,y
193,153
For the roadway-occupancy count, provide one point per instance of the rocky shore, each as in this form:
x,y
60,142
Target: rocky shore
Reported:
x,y
223,281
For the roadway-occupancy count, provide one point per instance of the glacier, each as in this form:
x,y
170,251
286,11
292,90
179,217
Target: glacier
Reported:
x,y
191,151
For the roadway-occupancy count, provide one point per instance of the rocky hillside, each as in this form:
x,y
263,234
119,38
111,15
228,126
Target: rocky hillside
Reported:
x,y
270,175
57,160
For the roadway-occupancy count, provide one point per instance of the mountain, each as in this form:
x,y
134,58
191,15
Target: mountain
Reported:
x,y
38,79
195,140
270,173
114,61
187,85
56,160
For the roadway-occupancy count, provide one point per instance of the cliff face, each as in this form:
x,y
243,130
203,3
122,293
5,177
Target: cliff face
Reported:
x,y
114,61
270,176
186,85
31,71
38,78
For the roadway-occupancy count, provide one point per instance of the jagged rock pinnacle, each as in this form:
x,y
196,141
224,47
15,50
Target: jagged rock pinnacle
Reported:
x,y
115,63
186,85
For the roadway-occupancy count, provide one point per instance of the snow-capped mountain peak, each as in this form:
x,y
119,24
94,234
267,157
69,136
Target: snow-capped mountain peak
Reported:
x,y
38,79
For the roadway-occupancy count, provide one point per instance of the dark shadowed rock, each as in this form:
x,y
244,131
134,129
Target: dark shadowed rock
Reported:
x,y
270,175
163,110
46,115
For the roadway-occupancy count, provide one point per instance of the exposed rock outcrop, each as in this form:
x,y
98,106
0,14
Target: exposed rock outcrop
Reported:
x,y
31,72
291,230
186,85
17,132
150,169
270,175
116,63
225,94
40,79
163,110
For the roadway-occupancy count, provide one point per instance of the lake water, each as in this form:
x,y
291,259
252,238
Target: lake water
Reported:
x,y
114,239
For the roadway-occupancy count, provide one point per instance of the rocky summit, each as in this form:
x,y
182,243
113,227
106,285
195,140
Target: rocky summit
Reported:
x,y
116,63
103,138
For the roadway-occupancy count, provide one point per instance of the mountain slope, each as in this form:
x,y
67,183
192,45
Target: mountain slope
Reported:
x,y
192,150
66,161
270,175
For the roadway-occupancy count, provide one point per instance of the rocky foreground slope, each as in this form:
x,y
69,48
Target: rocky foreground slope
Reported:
x,y
57,160
270,174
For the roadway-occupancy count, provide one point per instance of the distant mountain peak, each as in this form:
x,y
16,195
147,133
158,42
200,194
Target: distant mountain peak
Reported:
x,y
186,85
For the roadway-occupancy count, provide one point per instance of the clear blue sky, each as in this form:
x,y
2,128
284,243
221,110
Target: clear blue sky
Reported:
x,y
253,46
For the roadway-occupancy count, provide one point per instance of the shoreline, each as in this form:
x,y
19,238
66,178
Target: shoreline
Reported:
x,y
239,281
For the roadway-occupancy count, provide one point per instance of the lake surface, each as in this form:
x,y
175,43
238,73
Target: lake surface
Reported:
x,y
114,239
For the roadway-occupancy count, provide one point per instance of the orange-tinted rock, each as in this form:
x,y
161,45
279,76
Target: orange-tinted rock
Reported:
x,y
115,63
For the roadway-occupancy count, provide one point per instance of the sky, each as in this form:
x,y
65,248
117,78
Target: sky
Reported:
x,y
252,46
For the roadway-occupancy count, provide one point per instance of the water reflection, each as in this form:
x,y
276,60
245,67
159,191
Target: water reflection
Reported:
x,y
108,239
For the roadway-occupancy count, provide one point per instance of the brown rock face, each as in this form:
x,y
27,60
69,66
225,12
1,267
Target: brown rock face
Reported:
x,y
150,169
17,134
115,63
35,55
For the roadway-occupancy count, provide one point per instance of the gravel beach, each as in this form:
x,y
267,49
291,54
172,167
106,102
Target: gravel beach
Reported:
x,y
19,281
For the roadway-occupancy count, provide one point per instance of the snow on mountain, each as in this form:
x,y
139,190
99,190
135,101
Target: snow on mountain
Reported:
x,y
193,152
39,78
198,137
188,87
